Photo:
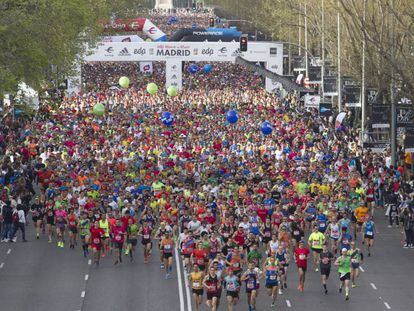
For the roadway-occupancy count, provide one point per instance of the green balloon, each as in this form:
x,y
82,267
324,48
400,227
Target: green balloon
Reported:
x,y
172,90
98,110
124,82
152,88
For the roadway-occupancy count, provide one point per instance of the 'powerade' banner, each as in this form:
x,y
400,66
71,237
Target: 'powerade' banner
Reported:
x,y
137,24
203,34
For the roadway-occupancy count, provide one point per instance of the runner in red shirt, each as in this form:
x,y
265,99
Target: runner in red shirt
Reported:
x,y
301,257
118,237
200,256
96,241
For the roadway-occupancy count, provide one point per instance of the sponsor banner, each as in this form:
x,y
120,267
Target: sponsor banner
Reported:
x,y
409,140
376,147
274,66
405,101
352,96
381,116
315,74
146,68
405,116
137,24
330,86
132,38
325,109
174,73
302,94
268,52
372,96
312,101
153,31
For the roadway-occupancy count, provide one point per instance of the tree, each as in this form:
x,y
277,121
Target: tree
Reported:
x,y
41,38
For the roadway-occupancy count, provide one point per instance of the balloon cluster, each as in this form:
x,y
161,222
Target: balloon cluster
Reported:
x,y
194,68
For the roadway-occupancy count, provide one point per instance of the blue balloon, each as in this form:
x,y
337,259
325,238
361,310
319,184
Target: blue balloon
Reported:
x,y
232,116
167,118
266,128
193,68
208,68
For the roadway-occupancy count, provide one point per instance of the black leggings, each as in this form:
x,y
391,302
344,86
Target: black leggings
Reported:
x,y
409,236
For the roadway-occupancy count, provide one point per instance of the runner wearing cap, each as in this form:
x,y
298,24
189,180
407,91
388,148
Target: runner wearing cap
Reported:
x,y
343,263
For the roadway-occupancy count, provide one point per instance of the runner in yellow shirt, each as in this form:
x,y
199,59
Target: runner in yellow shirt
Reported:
x,y
316,241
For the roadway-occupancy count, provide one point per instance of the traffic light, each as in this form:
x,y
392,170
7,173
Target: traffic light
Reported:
x,y
211,21
243,43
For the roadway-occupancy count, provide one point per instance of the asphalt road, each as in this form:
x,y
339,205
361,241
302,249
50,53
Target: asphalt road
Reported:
x,y
39,276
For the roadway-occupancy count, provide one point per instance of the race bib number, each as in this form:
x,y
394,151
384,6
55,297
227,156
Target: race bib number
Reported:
x,y
370,233
196,284
236,265
302,256
96,241
296,232
315,243
118,238
267,234
146,236
273,277
322,225
250,284
167,247
325,260
226,234
200,261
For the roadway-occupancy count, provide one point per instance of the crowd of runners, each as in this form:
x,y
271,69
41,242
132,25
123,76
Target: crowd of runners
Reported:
x,y
241,208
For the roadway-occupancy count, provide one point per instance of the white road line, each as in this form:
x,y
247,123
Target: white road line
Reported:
x,y
1,265
187,288
288,303
179,280
9,251
86,277
387,305
89,261
83,294
360,268
373,286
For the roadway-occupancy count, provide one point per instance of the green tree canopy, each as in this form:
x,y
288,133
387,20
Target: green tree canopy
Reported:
x,y
38,36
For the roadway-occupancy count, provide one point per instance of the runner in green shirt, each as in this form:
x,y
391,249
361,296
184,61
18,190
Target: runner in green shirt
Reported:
x,y
344,268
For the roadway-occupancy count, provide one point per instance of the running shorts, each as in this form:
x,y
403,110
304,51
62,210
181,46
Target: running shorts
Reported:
x,y
344,277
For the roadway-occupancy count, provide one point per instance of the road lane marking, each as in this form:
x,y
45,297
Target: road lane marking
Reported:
x,y
360,268
288,303
86,277
187,288
9,251
387,305
179,280
89,261
373,286
83,294
1,265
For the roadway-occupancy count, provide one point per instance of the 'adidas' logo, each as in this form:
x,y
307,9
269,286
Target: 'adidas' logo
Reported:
x,y
124,52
